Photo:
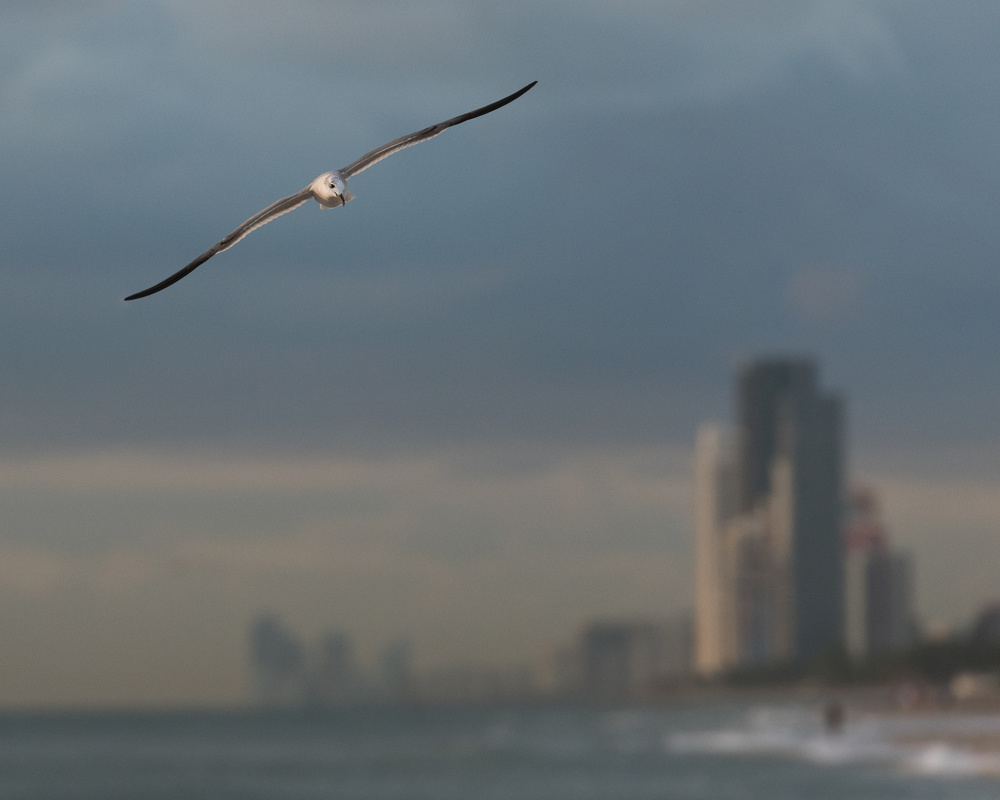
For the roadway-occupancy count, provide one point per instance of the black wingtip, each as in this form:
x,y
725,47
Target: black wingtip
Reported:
x,y
485,109
516,94
152,289
519,92
160,286
177,275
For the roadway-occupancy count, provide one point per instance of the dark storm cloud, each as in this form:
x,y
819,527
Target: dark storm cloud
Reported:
x,y
587,264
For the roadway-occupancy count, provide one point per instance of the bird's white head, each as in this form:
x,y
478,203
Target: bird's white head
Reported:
x,y
330,190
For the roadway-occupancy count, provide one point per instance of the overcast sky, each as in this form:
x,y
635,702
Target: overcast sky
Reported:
x,y
461,409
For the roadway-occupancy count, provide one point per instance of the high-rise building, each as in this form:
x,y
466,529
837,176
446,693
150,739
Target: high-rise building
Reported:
x,y
878,583
757,612
769,560
715,505
865,534
788,426
766,402
890,616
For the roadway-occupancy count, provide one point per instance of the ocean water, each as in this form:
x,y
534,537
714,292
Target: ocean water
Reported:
x,y
718,752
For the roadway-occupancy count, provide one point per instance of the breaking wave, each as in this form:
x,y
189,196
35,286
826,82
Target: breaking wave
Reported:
x,y
949,745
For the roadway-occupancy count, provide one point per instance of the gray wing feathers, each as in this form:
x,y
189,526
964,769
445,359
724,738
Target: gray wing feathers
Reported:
x,y
411,139
282,206
387,150
273,211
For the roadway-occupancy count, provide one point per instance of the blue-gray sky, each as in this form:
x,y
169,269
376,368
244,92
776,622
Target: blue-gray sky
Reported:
x,y
461,409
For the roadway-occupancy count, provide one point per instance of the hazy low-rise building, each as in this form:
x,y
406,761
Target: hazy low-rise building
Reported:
x,y
986,627
558,673
278,662
288,674
617,660
334,677
396,682
632,660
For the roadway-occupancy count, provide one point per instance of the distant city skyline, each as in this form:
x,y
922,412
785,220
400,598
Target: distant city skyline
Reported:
x,y
606,660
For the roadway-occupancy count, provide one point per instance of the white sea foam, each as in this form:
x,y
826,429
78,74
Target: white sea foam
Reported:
x,y
943,759
914,744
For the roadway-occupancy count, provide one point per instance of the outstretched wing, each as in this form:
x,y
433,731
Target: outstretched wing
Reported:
x,y
402,142
282,206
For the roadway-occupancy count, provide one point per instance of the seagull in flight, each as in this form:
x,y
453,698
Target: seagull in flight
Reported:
x,y
329,189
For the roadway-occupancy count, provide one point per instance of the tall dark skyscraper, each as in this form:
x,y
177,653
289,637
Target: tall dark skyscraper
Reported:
x,y
767,395
786,422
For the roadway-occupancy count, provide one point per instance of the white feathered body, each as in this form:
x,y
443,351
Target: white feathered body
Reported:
x,y
330,190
